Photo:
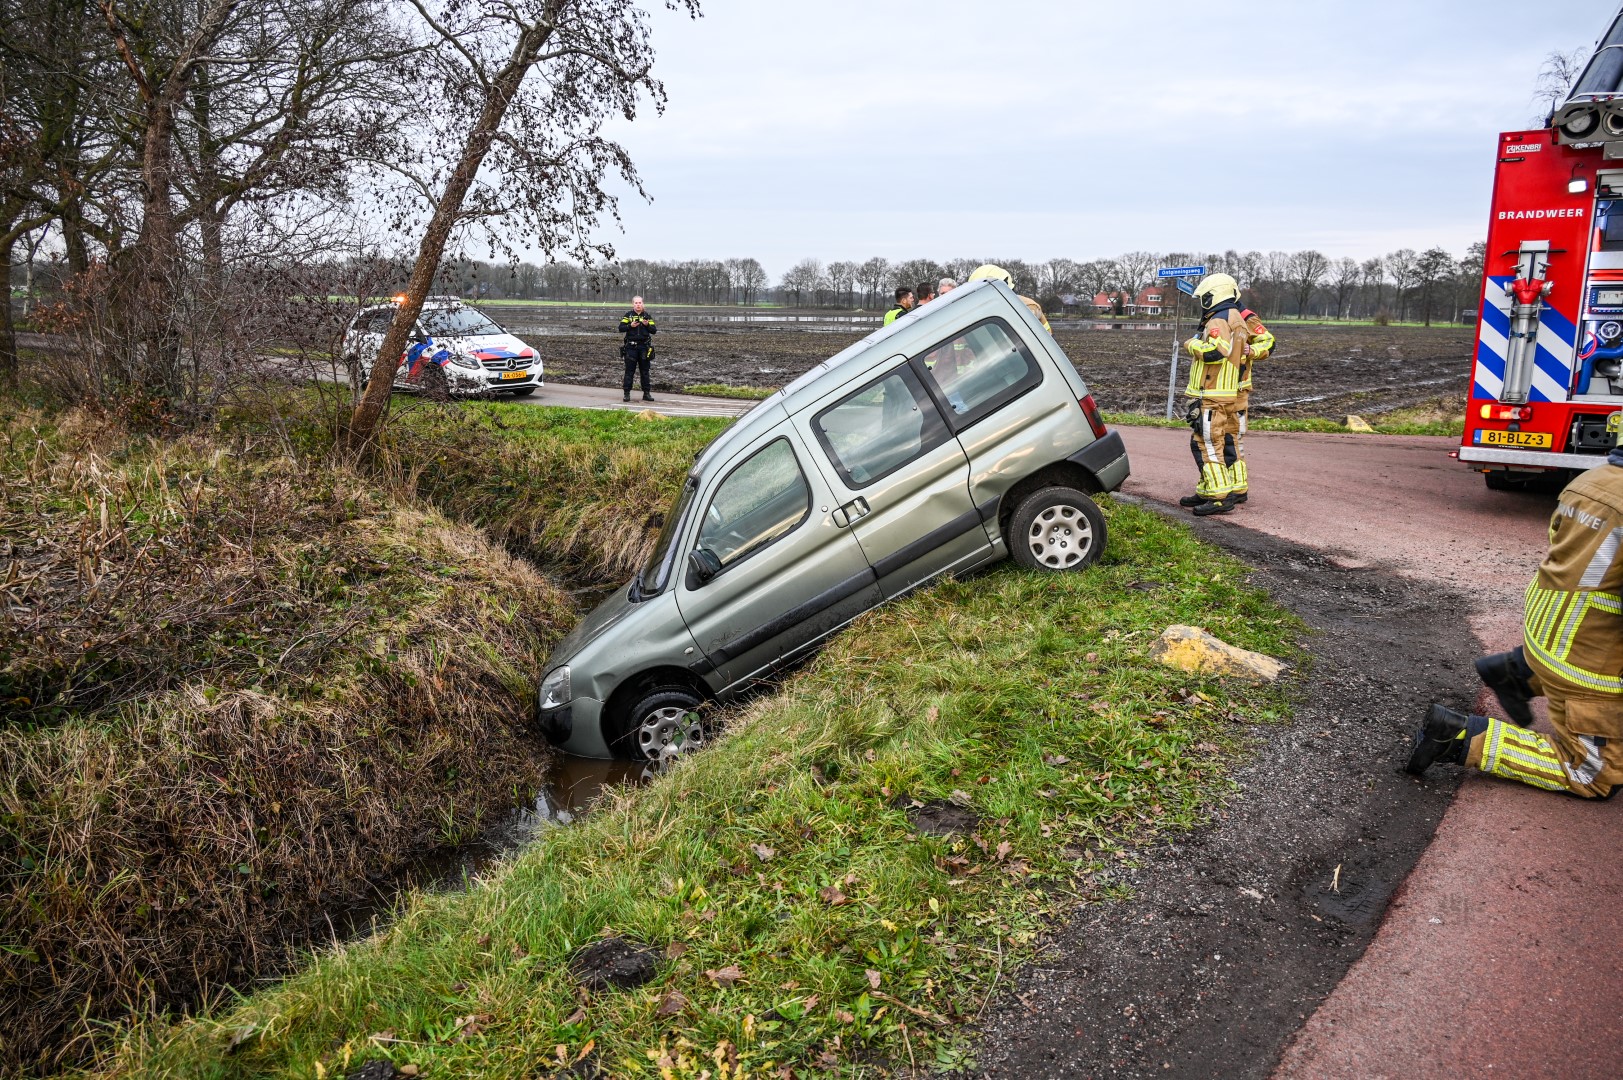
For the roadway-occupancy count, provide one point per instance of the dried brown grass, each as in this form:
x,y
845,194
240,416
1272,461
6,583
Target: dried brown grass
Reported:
x,y
237,693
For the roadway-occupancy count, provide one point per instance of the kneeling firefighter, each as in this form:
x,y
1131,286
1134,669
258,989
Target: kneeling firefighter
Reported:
x,y
1571,654
1217,354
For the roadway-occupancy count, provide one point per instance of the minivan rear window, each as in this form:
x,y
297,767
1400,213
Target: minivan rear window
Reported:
x,y
979,370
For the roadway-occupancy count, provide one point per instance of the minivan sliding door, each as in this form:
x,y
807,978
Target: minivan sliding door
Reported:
x,y
900,480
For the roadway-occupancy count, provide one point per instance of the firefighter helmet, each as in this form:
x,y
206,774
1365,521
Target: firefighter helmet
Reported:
x,y
995,273
1214,289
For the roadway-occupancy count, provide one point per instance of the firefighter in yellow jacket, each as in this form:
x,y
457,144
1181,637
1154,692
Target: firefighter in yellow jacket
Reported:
x,y
1217,354
997,273
1259,346
1571,653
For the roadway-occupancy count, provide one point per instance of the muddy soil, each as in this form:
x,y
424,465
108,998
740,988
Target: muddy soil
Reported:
x,y
1317,371
1236,932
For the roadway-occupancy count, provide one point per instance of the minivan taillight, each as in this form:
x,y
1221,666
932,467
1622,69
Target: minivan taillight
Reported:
x,y
1091,411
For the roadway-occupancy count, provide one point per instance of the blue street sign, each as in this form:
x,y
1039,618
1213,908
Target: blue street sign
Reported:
x,y
1181,271
1186,286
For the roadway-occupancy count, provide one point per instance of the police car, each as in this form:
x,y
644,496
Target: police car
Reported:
x,y
451,340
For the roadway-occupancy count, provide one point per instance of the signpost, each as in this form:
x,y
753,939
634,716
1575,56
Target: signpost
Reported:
x,y
1185,278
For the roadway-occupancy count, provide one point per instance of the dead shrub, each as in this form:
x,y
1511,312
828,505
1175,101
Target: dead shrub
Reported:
x,y
241,694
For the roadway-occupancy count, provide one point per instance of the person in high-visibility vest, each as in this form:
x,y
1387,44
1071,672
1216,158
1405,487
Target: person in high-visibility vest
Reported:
x,y
1571,654
1216,355
904,304
1259,346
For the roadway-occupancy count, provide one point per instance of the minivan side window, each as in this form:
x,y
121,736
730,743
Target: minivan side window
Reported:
x,y
979,371
881,427
761,500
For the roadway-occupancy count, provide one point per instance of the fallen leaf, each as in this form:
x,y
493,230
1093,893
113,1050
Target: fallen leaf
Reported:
x,y
870,756
591,1044
959,797
1003,850
844,1017
932,714
1056,759
408,1070
1091,657
873,978
575,1017
674,950
670,1003
832,896
790,985
725,977
762,852
810,1003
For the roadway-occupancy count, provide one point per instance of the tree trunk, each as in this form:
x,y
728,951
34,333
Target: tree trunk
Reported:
x,y
364,420
8,334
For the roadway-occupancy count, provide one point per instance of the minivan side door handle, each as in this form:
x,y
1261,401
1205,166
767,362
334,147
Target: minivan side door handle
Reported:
x,y
851,511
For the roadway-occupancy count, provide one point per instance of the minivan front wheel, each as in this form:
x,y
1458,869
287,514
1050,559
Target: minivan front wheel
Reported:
x,y
659,726
1056,528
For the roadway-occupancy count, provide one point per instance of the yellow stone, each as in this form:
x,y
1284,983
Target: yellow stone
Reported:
x,y
1189,648
1354,422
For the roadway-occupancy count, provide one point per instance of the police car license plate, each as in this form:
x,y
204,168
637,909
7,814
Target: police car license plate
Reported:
x,y
1528,440
506,375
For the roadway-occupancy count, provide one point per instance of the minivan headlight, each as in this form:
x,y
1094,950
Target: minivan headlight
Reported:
x,y
555,688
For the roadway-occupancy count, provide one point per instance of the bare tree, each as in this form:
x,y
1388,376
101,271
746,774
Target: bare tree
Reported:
x,y
750,278
1373,272
532,157
1097,277
1432,267
1344,275
1554,82
1135,270
842,277
1306,271
1401,266
802,278
872,276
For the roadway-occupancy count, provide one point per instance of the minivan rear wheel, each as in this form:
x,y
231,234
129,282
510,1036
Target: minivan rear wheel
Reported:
x,y
1056,528
660,725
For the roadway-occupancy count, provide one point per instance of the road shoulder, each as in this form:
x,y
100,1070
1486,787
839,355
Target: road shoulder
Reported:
x,y
1235,933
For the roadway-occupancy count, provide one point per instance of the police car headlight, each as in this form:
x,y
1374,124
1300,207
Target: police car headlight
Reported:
x,y
462,360
555,688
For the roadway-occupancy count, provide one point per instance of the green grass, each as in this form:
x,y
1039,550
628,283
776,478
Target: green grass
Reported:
x,y
1421,420
800,920
751,393
579,487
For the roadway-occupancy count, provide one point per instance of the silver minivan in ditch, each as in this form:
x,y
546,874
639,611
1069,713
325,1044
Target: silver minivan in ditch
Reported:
x,y
953,437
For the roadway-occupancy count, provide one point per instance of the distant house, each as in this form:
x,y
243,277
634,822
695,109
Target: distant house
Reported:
x,y
1148,301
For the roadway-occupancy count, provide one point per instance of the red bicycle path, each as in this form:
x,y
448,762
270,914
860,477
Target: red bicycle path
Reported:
x,y
1499,955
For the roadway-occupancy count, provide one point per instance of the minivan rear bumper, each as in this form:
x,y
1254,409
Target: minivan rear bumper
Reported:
x,y
1106,459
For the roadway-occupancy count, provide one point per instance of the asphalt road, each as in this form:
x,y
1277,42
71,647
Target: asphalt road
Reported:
x,y
1499,954
597,397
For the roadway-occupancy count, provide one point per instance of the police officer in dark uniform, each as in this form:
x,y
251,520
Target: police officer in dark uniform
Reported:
x,y
638,327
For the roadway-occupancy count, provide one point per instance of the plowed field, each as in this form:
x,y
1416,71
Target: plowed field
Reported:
x,y
1317,371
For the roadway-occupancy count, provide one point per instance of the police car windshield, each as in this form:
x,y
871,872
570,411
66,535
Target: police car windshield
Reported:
x,y
456,322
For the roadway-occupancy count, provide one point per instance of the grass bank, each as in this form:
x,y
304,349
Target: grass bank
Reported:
x,y
1435,418
238,692
797,915
584,490
727,390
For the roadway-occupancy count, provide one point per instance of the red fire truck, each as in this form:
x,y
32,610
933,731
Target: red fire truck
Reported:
x,y
1547,390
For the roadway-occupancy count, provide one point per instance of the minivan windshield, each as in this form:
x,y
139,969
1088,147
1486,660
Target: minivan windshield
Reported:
x,y
456,322
656,572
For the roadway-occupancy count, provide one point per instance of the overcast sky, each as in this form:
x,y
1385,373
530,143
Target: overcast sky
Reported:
x,y
1026,129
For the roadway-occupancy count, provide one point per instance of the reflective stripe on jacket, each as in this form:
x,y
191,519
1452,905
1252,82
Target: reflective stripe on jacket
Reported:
x,y
1217,351
1572,627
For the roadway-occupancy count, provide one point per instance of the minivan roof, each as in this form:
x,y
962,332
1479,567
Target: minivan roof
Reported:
x,y
911,333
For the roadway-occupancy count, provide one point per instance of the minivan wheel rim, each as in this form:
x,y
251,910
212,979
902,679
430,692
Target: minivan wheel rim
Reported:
x,y
1060,537
669,732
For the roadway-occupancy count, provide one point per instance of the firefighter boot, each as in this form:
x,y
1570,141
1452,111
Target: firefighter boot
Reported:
x,y
1215,506
1189,502
1507,675
1440,739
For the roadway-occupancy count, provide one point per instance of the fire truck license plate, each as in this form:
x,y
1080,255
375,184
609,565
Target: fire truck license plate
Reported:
x,y
1530,440
515,375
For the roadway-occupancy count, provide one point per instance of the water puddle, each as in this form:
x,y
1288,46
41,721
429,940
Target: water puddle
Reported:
x,y
573,786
